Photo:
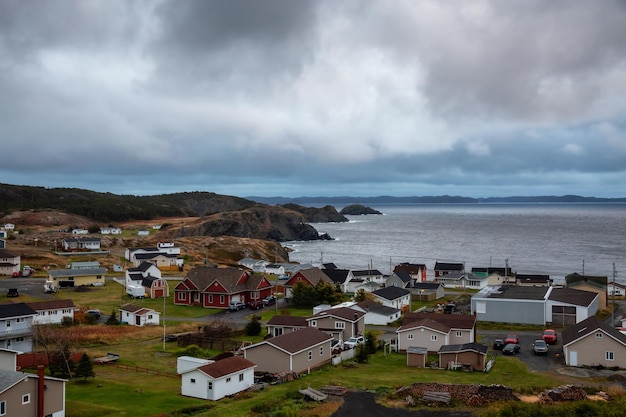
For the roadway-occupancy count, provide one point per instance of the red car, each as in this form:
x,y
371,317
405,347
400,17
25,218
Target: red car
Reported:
x,y
511,339
549,335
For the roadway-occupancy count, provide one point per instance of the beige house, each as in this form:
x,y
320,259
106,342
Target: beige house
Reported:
x,y
341,322
64,278
25,394
279,324
597,284
298,351
9,262
593,342
432,331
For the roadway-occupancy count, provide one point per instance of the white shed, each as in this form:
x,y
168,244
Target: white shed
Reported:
x,y
219,379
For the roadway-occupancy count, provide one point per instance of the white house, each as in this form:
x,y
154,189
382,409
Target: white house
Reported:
x,y
81,244
80,231
393,297
16,327
616,289
110,231
219,379
143,232
376,313
138,316
9,227
52,311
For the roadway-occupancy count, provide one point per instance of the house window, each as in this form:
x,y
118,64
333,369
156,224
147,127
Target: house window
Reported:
x,y
609,356
321,350
192,380
221,299
181,296
310,355
409,336
149,316
240,377
599,335
22,319
210,298
459,333
228,379
313,323
3,408
340,325
210,385
25,398
8,323
433,337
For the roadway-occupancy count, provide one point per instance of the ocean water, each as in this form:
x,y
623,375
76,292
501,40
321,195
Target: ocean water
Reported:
x,y
553,239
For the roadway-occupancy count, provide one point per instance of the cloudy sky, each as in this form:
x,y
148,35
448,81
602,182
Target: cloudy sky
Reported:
x,y
315,98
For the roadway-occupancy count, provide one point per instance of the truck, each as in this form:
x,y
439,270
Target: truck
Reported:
x,y
135,291
49,287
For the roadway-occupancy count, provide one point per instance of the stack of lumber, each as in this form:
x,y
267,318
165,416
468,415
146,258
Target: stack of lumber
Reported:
x,y
563,393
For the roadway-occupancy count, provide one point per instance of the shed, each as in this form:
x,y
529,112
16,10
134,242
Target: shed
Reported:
x,y
416,356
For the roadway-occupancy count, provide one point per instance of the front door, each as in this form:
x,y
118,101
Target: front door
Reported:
x,y
573,358
138,320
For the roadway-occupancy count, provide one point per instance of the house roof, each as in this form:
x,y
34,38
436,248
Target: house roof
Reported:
x,y
514,292
299,340
137,310
343,313
449,266
410,268
403,275
315,275
81,239
153,255
6,254
226,366
454,321
143,267
366,272
60,273
391,293
295,321
229,278
429,323
15,310
338,276
371,306
533,278
464,347
573,296
329,265
575,279
9,378
591,325
51,304
427,285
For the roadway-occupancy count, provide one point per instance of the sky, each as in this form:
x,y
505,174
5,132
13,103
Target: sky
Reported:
x,y
315,98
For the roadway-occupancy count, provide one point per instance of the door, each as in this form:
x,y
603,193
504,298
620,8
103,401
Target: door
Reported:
x,y
573,358
138,320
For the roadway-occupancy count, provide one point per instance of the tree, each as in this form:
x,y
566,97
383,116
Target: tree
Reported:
x,y
304,295
84,369
253,328
112,320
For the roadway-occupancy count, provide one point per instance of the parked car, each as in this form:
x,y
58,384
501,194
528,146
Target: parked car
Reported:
x,y
255,304
549,335
94,312
269,300
512,338
353,342
12,292
511,349
450,308
498,344
540,347
236,306
16,275
335,346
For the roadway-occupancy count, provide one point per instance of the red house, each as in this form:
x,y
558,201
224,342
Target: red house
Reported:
x,y
217,287
310,276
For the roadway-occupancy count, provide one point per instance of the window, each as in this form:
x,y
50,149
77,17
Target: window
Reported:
x,y
221,299
433,337
313,323
149,316
340,325
181,296
409,336
3,408
228,379
192,380
25,398
599,335
210,385
240,377
459,333
310,355
321,350
22,319
609,356
210,298
8,323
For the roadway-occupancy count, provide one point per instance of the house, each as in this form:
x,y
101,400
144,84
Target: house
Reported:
x,y
495,275
533,305
217,287
81,244
311,276
9,227
280,324
85,265
110,231
466,356
9,262
340,277
533,280
138,316
462,280
216,380
393,297
80,231
299,351
148,276
340,322
16,327
256,265
166,256
427,291
443,268
63,278
400,279
52,311
416,271
433,330
26,394
369,275
592,342
376,313
143,232
616,289
597,284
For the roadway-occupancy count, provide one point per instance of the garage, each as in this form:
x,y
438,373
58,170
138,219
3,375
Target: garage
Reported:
x,y
563,316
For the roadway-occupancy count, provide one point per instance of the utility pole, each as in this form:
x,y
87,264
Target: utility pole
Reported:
x,y
613,297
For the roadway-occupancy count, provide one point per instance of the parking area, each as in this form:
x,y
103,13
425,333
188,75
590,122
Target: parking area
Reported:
x,y
549,362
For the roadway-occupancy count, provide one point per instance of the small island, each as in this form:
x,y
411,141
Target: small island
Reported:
x,y
357,210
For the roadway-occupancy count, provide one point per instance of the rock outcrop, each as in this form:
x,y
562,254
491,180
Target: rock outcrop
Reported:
x,y
357,210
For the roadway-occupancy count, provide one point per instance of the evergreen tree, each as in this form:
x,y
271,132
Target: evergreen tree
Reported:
x,y
253,328
84,369
112,320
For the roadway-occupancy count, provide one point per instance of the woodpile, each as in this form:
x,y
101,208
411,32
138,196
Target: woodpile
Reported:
x,y
472,395
563,393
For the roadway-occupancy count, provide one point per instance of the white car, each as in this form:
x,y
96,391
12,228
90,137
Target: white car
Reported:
x,y
353,341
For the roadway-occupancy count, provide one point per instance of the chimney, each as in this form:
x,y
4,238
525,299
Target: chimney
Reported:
x,y
40,390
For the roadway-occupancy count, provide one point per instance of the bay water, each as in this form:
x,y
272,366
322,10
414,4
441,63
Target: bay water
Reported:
x,y
552,239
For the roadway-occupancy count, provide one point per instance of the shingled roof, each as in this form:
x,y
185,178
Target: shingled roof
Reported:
x,y
294,342
391,293
573,296
226,366
588,326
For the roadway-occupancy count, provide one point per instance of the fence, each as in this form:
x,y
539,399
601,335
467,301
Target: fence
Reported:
x,y
135,368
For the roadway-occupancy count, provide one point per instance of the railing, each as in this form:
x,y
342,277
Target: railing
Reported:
x,y
8,334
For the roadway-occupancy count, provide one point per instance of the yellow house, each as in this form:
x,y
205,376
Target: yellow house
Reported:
x,y
64,278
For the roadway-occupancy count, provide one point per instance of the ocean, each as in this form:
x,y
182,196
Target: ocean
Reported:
x,y
553,239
